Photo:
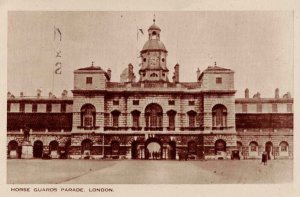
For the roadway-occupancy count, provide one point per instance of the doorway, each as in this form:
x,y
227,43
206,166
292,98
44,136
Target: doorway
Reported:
x,y
269,149
38,149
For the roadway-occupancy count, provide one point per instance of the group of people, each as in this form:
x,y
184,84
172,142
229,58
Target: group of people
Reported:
x,y
155,155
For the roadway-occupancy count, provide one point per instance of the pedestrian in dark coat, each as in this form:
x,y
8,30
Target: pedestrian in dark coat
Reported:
x,y
264,158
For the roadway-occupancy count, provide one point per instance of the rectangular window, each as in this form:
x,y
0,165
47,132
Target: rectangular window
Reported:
x,y
135,121
191,102
34,107
135,102
63,107
289,108
172,122
48,108
244,108
8,107
274,107
192,121
171,102
259,107
115,102
115,121
89,80
219,80
88,121
22,107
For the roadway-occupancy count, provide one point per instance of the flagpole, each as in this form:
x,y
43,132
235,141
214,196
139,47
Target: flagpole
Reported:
x,y
53,79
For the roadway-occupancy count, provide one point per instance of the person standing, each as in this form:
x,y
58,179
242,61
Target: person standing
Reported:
x,y
264,158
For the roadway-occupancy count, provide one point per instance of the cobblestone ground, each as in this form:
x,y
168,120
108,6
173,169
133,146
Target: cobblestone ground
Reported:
x,y
144,172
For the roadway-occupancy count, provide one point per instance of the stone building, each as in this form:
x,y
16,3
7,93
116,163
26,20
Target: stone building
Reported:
x,y
136,118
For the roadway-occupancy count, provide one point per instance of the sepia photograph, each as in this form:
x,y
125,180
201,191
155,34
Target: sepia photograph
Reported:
x,y
174,97
161,98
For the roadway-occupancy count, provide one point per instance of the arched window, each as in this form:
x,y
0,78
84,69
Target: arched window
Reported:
x,y
135,118
284,149
88,116
253,149
192,118
115,118
86,146
171,115
219,116
220,145
153,115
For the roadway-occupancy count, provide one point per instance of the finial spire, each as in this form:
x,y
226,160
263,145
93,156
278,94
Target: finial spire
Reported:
x,y
154,18
215,63
92,63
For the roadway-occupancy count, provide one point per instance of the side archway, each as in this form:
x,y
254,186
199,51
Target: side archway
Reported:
x,y
12,149
38,149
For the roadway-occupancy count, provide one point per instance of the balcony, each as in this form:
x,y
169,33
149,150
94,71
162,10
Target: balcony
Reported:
x,y
221,128
88,128
191,129
136,128
110,128
153,128
171,128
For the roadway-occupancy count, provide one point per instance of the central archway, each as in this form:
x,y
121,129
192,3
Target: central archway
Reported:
x,y
153,149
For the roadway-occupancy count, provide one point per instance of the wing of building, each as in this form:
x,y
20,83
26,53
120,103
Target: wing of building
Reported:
x,y
152,117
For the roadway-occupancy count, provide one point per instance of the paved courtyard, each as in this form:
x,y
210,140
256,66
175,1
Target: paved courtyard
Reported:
x,y
147,172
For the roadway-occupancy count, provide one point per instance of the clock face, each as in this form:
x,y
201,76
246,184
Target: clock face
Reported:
x,y
153,61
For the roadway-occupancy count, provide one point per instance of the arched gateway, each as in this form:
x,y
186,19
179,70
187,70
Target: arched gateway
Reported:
x,y
153,149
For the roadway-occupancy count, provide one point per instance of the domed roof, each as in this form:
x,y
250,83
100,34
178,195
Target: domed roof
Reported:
x,y
154,27
154,45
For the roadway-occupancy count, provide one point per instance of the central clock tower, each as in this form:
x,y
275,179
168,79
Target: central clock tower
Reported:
x,y
154,57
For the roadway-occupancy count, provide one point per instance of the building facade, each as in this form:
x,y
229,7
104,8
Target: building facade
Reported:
x,y
135,118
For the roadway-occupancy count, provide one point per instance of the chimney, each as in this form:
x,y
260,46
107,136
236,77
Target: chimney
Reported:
x,y
198,74
64,94
39,93
176,73
8,94
287,95
109,73
131,76
257,95
276,93
247,93
21,94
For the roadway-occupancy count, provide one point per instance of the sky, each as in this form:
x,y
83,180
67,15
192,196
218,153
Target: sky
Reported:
x,y
257,45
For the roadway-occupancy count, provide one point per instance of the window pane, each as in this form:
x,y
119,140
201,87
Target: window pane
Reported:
x,y
219,80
